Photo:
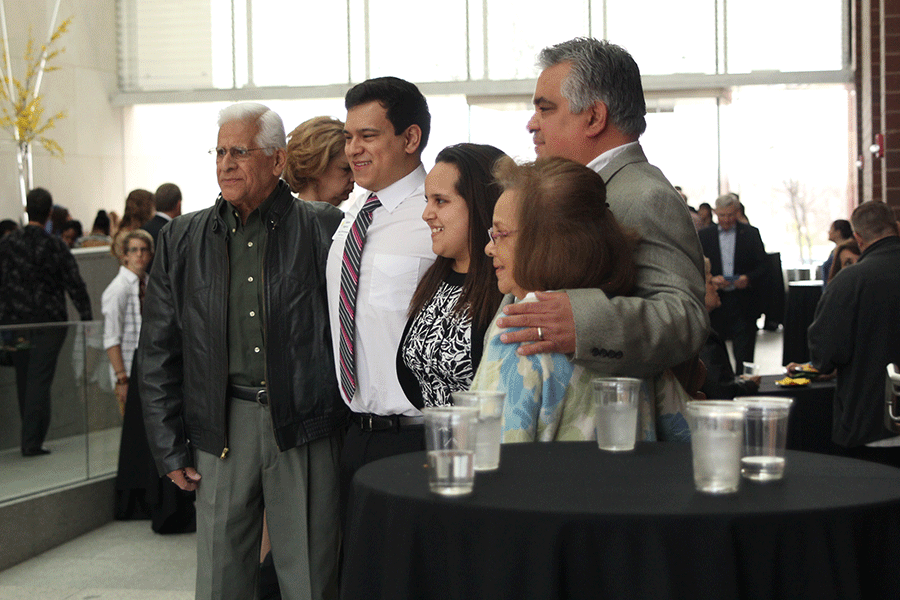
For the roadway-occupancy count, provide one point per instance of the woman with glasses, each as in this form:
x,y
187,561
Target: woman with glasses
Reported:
x,y
457,297
317,168
552,230
140,493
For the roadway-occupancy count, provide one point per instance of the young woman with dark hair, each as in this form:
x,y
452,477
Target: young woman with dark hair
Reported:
x,y
457,297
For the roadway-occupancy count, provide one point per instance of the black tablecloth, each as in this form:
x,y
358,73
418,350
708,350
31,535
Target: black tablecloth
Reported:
x,y
566,520
802,298
810,421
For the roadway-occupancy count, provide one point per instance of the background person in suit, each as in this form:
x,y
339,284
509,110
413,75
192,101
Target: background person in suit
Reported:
x,y
589,107
168,206
739,267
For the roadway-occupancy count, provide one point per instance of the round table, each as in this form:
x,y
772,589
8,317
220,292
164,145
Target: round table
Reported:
x,y
810,421
566,520
800,309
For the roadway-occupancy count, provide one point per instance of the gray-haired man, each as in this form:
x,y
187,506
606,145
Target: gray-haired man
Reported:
x,y
589,107
237,378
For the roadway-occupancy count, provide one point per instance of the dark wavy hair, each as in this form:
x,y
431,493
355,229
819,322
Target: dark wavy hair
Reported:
x,y
568,237
480,296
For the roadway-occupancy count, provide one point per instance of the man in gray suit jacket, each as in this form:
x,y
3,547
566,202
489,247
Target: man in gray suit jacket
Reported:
x,y
589,107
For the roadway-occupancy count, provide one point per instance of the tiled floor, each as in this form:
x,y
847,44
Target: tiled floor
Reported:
x,y
123,560
127,561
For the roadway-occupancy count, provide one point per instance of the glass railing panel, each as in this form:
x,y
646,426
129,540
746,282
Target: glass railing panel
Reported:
x,y
84,422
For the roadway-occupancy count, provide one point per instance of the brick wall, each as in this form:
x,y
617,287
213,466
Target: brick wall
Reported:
x,y
876,49
890,100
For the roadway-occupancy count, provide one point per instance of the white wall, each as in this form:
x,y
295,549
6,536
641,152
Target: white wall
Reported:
x,y
90,176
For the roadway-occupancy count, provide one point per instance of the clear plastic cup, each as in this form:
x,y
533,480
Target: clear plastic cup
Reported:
x,y
487,434
765,436
616,412
450,442
717,432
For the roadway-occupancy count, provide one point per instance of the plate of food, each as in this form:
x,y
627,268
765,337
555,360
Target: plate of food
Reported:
x,y
805,371
793,381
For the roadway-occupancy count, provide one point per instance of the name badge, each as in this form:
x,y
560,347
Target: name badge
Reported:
x,y
343,229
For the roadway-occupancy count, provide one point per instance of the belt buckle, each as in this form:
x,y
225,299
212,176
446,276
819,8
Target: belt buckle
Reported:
x,y
260,396
371,423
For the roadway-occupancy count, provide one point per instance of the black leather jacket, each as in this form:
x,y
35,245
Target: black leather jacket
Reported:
x,y
183,351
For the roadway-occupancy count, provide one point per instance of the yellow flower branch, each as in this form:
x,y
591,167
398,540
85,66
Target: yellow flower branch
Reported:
x,y
22,110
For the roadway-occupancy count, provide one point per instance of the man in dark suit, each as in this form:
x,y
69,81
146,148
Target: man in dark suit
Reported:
x,y
168,206
739,270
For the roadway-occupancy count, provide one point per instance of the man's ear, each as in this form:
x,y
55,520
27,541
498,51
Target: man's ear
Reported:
x,y
412,138
280,161
859,240
597,118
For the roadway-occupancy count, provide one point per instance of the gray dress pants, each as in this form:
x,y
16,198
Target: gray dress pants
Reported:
x,y
297,488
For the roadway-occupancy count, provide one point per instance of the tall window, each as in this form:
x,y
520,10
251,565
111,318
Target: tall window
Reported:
x,y
738,100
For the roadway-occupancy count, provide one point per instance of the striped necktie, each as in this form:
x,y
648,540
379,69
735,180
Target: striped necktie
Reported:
x,y
353,248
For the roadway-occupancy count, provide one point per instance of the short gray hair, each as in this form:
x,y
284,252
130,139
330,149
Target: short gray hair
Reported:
x,y
873,220
726,200
271,127
601,72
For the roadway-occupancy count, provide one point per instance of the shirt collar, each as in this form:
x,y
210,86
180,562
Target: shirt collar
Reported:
x,y
607,157
128,274
391,196
226,210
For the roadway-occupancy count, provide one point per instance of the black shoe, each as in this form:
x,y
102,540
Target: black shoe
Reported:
x,y
35,451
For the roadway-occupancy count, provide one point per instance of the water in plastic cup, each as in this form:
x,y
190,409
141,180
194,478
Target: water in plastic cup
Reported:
x,y
750,369
487,434
717,431
716,458
616,412
451,472
765,435
450,441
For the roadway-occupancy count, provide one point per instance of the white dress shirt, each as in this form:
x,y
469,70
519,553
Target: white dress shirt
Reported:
x,y
396,254
604,159
121,307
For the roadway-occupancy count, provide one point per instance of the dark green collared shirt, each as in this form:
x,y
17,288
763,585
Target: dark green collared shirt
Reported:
x,y
246,336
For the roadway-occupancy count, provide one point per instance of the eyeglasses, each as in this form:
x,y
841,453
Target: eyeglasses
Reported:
x,y
237,153
495,235
137,249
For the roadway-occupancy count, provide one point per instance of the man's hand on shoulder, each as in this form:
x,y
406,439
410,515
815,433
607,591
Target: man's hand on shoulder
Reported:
x,y
549,324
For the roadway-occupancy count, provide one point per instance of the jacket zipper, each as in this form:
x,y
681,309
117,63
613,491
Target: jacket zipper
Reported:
x,y
265,328
225,312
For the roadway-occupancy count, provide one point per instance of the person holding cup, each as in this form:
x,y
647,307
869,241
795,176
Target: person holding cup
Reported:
x,y
456,298
552,230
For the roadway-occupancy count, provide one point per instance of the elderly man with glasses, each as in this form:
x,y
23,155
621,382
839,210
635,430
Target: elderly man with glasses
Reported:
x,y
241,399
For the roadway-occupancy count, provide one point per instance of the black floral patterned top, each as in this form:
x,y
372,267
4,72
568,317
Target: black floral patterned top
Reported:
x,y
439,352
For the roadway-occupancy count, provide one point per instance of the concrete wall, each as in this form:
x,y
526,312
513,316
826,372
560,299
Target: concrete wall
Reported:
x,y
36,524
91,174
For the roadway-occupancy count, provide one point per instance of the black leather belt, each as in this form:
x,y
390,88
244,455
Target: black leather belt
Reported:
x,y
250,394
370,422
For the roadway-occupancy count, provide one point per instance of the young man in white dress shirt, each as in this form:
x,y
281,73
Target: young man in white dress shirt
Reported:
x,y
386,129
